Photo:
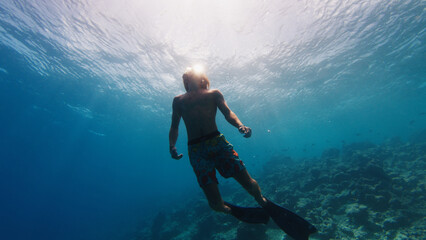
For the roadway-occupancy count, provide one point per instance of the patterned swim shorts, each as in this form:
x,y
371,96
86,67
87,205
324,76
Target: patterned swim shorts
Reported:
x,y
211,154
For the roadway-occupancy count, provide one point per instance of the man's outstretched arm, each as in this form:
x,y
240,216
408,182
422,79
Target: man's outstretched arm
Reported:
x,y
174,130
230,116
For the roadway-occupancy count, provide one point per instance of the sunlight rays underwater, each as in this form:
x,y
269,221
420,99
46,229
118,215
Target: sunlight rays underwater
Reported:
x,y
86,90
142,47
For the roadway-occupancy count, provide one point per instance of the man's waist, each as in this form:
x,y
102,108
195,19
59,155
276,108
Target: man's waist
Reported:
x,y
203,138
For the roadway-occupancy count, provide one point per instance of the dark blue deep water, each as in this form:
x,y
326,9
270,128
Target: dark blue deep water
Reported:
x,y
86,90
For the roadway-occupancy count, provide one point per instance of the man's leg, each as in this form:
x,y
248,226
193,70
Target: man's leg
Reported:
x,y
248,183
215,199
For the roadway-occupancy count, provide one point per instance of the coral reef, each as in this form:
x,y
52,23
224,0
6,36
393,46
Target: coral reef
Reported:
x,y
363,191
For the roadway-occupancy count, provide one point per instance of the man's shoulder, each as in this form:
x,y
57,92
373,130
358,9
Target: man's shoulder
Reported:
x,y
215,92
179,97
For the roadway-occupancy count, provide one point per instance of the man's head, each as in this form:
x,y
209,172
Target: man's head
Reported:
x,y
195,78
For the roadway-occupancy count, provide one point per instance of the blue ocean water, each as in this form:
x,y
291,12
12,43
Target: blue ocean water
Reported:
x,y
86,90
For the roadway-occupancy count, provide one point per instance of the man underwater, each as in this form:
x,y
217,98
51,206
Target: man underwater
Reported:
x,y
209,150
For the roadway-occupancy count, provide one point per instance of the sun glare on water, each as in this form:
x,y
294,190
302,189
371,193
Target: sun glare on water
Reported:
x,y
198,68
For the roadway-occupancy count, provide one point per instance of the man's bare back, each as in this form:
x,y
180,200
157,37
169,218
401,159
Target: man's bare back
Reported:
x,y
198,110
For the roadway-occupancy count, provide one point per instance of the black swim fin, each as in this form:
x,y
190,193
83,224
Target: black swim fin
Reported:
x,y
249,214
292,224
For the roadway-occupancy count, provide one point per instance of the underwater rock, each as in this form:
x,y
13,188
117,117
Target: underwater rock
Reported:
x,y
331,153
157,225
390,224
395,203
340,177
328,226
396,221
205,228
315,173
393,142
366,192
311,185
251,231
357,213
377,202
356,147
375,172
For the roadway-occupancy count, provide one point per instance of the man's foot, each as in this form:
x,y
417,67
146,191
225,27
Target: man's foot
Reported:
x,y
228,210
262,201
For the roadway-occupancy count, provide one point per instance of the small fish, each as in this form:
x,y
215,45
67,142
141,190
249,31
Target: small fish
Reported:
x,y
412,122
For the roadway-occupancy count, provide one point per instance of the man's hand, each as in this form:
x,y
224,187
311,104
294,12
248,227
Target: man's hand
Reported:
x,y
245,130
175,155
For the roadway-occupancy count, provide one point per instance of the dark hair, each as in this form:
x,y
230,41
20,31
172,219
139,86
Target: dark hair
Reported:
x,y
190,73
